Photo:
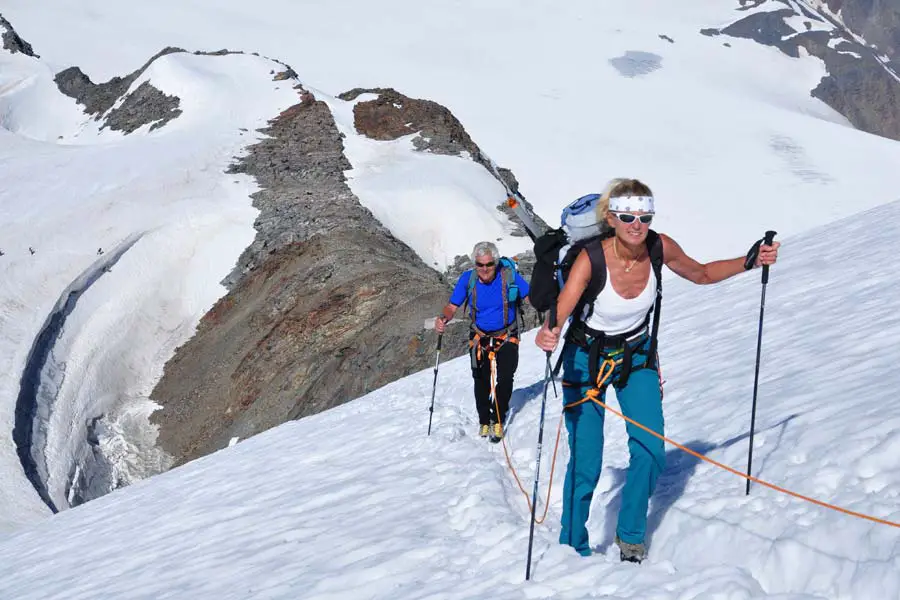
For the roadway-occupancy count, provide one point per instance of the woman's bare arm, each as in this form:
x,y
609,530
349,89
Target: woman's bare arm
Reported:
x,y
711,272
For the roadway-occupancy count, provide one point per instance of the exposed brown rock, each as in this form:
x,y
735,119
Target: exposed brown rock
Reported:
x,y
315,325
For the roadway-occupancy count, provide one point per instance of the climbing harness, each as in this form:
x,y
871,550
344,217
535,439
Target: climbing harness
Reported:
x,y
503,335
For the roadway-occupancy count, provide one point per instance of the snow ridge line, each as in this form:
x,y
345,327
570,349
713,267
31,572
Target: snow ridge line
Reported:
x,y
32,416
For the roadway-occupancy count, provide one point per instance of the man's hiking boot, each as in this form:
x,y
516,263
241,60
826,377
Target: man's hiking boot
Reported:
x,y
496,432
484,431
631,552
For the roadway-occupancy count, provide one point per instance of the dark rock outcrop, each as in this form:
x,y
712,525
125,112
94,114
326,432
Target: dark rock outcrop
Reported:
x,y
392,115
12,41
98,98
767,28
862,90
144,105
860,85
305,195
877,21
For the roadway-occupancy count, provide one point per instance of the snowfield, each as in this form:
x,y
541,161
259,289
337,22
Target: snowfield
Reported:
x,y
358,502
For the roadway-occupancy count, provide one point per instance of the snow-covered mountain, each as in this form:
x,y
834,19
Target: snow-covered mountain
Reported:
x,y
116,244
146,160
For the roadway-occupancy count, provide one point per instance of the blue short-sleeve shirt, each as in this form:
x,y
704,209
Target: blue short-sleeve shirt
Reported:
x,y
489,297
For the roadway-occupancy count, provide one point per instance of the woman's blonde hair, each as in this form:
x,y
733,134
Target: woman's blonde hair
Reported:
x,y
617,188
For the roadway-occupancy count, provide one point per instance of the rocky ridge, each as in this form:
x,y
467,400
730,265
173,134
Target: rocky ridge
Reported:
x,y
325,304
861,84
878,22
146,105
12,41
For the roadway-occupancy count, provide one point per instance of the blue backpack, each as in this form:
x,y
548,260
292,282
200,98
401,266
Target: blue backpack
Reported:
x,y
579,219
510,291
555,251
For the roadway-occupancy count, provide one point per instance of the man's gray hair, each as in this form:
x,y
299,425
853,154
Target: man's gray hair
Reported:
x,y
484,249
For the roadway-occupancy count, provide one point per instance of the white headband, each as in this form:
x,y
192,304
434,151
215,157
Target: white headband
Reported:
x,y
631,204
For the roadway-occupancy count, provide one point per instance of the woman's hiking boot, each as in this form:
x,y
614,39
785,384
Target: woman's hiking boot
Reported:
x,y
631,552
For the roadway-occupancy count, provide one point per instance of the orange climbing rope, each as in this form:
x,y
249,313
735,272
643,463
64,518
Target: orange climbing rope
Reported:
x,y
602,378
492,356
593,395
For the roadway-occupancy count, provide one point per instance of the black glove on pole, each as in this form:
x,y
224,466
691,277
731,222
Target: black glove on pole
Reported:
x,y
437,360
540,443
751,260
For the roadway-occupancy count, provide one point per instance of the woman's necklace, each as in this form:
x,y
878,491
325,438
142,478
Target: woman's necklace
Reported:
x,y
628,268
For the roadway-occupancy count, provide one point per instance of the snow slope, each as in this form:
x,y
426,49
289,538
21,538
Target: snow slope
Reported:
x,y
357,502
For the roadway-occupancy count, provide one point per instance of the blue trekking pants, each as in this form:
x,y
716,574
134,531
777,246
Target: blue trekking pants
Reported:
x,y
641,400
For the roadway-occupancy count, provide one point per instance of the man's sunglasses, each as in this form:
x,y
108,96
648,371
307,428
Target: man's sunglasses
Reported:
x,y
486,265
629,218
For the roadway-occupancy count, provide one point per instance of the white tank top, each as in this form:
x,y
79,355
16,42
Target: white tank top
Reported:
x,y
613,314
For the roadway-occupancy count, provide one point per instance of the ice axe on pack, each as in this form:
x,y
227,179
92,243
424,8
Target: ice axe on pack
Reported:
x,y
752,255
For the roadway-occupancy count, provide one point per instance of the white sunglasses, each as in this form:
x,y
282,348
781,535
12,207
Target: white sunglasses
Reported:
x,y
629,218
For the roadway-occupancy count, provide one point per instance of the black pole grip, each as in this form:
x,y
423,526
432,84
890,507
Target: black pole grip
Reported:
x,y
770,237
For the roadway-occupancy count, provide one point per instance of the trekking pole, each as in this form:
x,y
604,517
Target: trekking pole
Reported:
x,y
434,386
540,442
769,238
552,376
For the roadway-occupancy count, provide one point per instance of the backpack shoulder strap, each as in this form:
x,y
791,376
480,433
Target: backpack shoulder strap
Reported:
x,y
471,299
504,292
655,249
594,248
512,286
